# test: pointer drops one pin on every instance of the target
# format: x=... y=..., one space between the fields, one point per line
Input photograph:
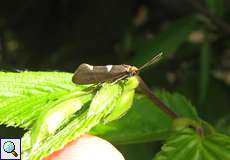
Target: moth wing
x=88 y=74
x=83 y=74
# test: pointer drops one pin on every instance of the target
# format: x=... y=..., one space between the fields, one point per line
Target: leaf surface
x=189 y=145
x=145 y=122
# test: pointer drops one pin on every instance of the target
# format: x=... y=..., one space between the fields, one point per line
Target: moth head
x=132 y=70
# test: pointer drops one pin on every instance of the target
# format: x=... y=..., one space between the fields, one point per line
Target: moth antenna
x=152 y=61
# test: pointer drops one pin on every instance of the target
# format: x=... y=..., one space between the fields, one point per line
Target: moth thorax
x=132 y=70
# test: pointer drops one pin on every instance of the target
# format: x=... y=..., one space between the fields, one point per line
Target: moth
x=89 y=74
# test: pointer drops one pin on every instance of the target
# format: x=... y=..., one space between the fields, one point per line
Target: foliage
x=56 y=114
x=194 y=36
x=50 y=115
x=188 y=145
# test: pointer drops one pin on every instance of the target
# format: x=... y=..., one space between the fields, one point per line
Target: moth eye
x=132 y=73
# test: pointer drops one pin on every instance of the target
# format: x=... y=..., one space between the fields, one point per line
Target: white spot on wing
x=89 y=66
x=109 y=67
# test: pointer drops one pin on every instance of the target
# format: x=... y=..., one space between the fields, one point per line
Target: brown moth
x=88 y=74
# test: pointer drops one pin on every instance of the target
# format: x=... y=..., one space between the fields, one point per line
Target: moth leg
x=94 y=87
x=121 y=78
x=98 y=85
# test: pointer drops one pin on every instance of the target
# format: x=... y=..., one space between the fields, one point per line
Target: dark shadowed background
x=60 y=35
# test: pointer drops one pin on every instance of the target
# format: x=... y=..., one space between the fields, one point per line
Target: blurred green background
x=60 y=35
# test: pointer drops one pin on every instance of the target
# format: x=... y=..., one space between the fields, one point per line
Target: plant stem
x=145 y=89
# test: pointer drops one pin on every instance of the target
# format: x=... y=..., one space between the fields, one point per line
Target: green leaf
x=35 y=83
x=187 y=144
x=103 y=98
x=23 y=111
x=126 y=100
x=32 y=100
x=223 y=125
x=145 y=122
x=25 y=95
x=122 y=107
x=103 y=103
x=59 y=113
x=140 y=151
x=216 y=7
x=167 y=42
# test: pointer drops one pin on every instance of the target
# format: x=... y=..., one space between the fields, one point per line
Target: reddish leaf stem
x=145 y=89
